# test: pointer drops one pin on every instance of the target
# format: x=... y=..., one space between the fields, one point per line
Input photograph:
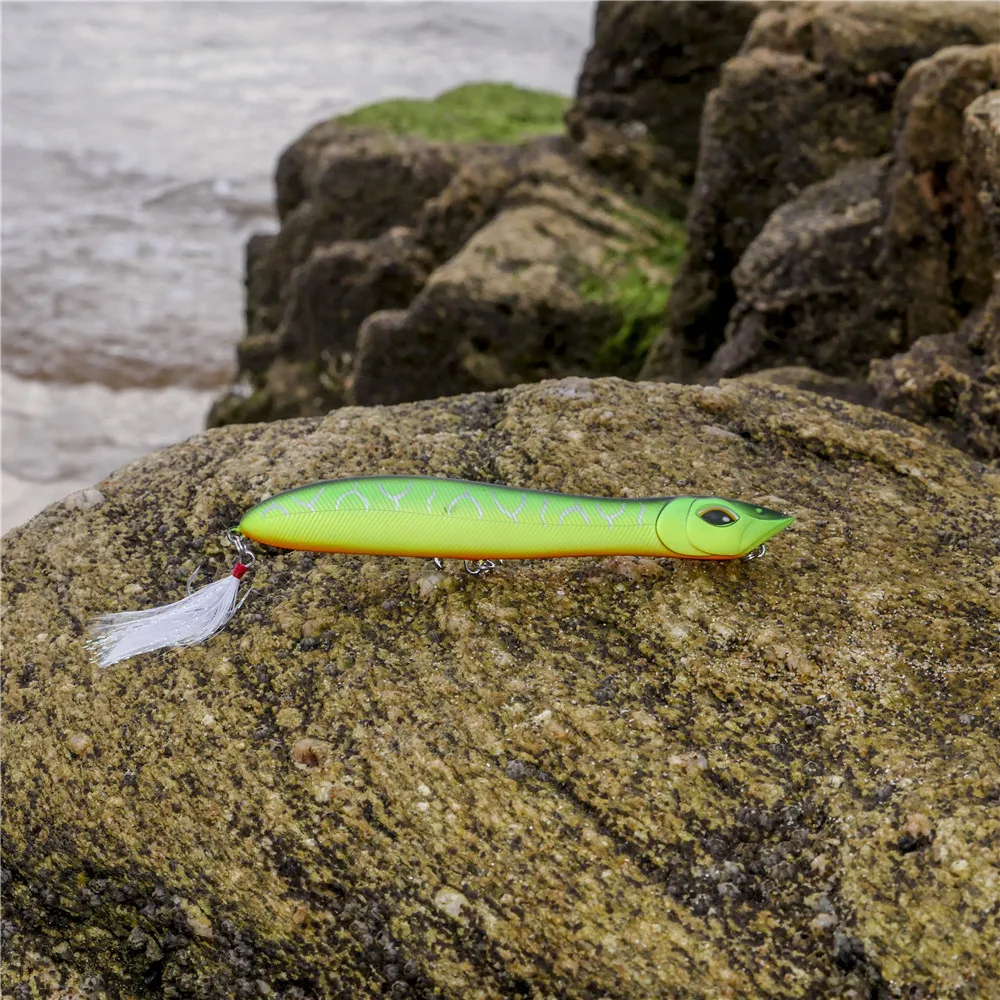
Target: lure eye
x=719 y=516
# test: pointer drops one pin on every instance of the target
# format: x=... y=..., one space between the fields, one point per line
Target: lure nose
x=764 y=526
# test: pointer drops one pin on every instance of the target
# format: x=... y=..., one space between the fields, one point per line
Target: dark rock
x=510 y=306
x=856 y=266
x=808 y=287
x=937 y=246
x=810 y=91
x=342 y=183
x=639 y=96
x=475 y=193
x=532 y=253
x=312 y=350
x=981 y=140
x=952 y=381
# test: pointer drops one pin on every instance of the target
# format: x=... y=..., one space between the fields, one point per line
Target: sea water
x=139 y=141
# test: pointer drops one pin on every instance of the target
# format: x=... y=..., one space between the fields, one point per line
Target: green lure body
x=422 y=516
x=454 y=518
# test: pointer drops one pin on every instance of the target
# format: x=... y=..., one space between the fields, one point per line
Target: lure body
x=423 y=516
x=455 y=518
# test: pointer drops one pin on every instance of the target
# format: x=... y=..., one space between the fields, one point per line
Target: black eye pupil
x=717 y=517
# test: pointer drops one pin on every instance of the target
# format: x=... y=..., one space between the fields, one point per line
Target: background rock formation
x=952 y=381
x=811 y=91
x=576 y=777
x=638 y=104
x=408 y=268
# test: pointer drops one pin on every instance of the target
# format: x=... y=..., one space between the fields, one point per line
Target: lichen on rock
x=580 y=776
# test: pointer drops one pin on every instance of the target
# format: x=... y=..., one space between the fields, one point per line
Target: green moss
x=635 y=283
x=476 y=112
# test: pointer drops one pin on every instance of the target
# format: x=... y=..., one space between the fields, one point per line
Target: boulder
x=862 y=265
x=301 y=368
x=952 y=381
x=937 y=245
x=342 y=183
x=809 y=288
x=367 y=214
x=529 y=296
x=981 y=139
x=811 y=90
x=526 y=266
x=640 y=93
x=583 y=777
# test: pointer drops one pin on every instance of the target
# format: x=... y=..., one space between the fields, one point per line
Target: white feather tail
x=186 y=622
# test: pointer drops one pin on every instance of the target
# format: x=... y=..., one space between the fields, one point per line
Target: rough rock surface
x=342 y=182
x=579 y=777
x=863 y=264
x=937 y=245
x=952 y=381
x=809 y=290
x=491 y=287
x=510 y=306
x=302 y=367
x=810 y=91
x=640 y=93
x=309 y=286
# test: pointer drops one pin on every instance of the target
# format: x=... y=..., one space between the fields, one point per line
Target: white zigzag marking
x=272 y=506
x=312 y=503
x=578 y=509
x=642 y=507
x=347 y=493
x=503 y=510
x=430 y=498
x=467 y=496
x=611 y=519
x=395 y=497
x=545 y=507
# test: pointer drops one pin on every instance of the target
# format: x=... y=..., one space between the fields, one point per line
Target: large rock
x=810 y=91
x=864 y=264
x=516 y=303
x=981 y=134
x=302 y=368
x=640 y=93
x=526 y=266
x=952 y=381
x=584 y=777
x=937 y=245
x=809 y=290
x=341 y=183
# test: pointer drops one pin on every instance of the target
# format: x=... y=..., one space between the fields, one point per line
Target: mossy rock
x=475 y=112
x=580 y=777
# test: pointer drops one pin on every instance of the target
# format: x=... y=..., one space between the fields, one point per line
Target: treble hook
x=481 y=567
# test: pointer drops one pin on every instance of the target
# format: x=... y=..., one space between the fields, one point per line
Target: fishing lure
x=453 y=518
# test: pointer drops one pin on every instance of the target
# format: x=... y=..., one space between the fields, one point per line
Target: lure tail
x=186 y=622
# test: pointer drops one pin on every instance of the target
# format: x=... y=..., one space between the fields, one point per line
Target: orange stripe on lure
x=453 y=518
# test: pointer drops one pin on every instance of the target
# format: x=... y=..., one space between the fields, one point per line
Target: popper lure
x=450 y=518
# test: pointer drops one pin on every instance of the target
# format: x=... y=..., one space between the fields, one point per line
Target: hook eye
x=243 y=551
